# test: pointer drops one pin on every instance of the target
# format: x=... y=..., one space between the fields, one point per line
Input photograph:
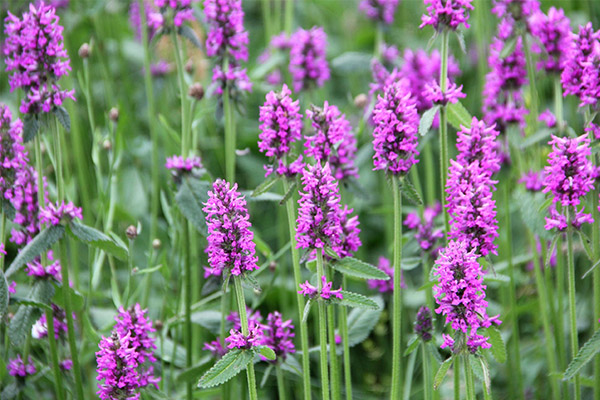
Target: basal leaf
x=351 y=266
x=226 y=368
x=37 y=246
x=97 y=239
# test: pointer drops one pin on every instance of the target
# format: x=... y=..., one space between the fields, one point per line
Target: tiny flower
x=118 y=377
x=326 y=292
x=237 y=340
x=594 y=130
x=579 y=74
x=66 y=365
x=181 y=11
x=446 y=14
x=277 y=334
x=426 y=234
x=308 y=63
x=433 y=93
x=423 y=324
x=235 y=80
x=161 y=68
x=16 y=367
x=39 y=330
x=53 y=214
x=178 y=164
x=548 y=118
x=51 y=271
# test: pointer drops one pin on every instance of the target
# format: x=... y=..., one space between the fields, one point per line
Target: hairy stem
x=239 y=293
x=322 y=329
x=396 y=391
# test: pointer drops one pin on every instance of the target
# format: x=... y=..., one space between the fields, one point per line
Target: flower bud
x=84 y=50
x=113 y=114
x=156 y=244
x=361 y=101
x=131 y=232
x=189 y=67
x=196 y=91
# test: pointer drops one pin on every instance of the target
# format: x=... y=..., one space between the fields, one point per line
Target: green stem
x=58 y=385
x=396 y=391
x=533 y=108
x=469 y=378
x=560 y=311
x=229 y=134
x=427 y=384
x=444 y=125
x=280 y=383
x=429 y=173
x=572 y=311
x=333 y=358
x=344 y=334
x=456 y=368
x=187 y=303
x=239 y=293
x=289 y=16
x=322 y=329
x=223 y=332
x=558 y=104
x=2 y=236
x=379 y=39
x=291 y=214
x=185 y=128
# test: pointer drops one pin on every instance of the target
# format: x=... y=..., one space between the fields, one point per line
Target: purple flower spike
x=580 y=63
x=460 y=294
x=13 y=156
x=446 y=14
x=25 y=202
x=179 y=164
x=227 y=35
x=153 y=19
x=396 y=125
x=385 y=286
x=180 y=9
x=427 y=235
x=350 y=241
x=554 y=32
x=277 y=335
x=51 y=271
x=379 y=10
x=332 y=141
x=16 y=367
x=230 y=246
x=548 y=118
x=423 y=324
x=433 y=93
x=318 y=223
x=237 y=340
x=36 y=58
x=53 y=214
x=534 y=181
x=308 y=63
x=236 y=79
x=470 y=186
x=326 y=292
x=281 y=126
x=118 y=377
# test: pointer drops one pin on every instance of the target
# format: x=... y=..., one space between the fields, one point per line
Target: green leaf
x=292 y=365
x=192 y=374
x=306 y=310
x=591 y=269
x=149 y=270
x=262 y=69
x=530 y=207
x=351 y=266
x=545 y=204
x=412 y=345
x=427 y=120
x=62 y=115
x=265 y=186
x=498 y=348
x=20 y=325
x=37 y=246
x=226 y=368
x=97 y=239
x=208 y=319
x=410 y=192
x=266 y=375
x=352 y=62
x=509 y=47
x=535 y=138
x=268 y=196
x=289 y=193
x=551 y=250
x=331 y=253
x=268 y=353
x=31 y=126
x=356 y=300
x=3 y=295
x=433 y=350
x=409 y=263
x=461 y=41
x=486 y=373
x=586 y=243
x=165 y=351
x=584 y=355
x=476 y=366
x=77 y=300
x=189 y=34
x=11 y=391
x=189 y=201
x=441 y=373
x=362 y=322
x=458 y=116
x=252 y=282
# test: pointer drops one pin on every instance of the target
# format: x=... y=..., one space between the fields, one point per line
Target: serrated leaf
x=267 y=353
x=409 y=263
x=265 y=185
x=306 y=310
x=192 y=374
x=530 y=205
x=458 y=116
x=289 y=193
x=427 y=120
x=509 y=47
x=226 y=368
x=545 y=204
x=31 y=126
x=37 y=246
x=351 y=266
x=362 y=322
x=433 y=351
x=441 y=373
x=97 y=239
x=190 y=203
x=3 y=295
x=412 y=345
x=476 y=367
x=356 y=300
x=252 y=282
x=189 y=34
x=584 y=355
x=486 y=374
x=410 y=192
x=63 y=117
x=461 y=41
x=20 y=325
x=498 y=348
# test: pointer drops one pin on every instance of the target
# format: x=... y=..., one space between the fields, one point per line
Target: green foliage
x=37 y=246
x=427 y=120
x=361 y=322
x=19 y=327
x=458 y=115
x=359 y=269
x=357 y=301
x=585 y=354
x=441 y=373
x=226 y=368
x=190 y=197
x=97 y=239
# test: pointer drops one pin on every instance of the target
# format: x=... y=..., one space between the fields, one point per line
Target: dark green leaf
x=20 y=325
x=268 y=353
x=441 y=373
x=189 y=34
x=77 y=300
x=3 y=295
x=362 y=322
x=37 y=246
x=266 y=185
x=289 y=193
x=410 y=192
x=31 y=126
x=584 y=355
x=97 y=239
x=427 y=120
x=352 y=62
x=458 y=115
x=498 y=348
x=192 y=374
x=351 y=266
x=412 y=345
x=226 y=368
x=7 y=209
x=63 y=117
x=189 y=201
x=509 y=46
x=209 y=319
x=252 y=282
x=356 y=300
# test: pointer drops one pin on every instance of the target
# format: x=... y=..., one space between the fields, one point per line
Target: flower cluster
x=51 y=271
x=460 y=294
x=385 y=286
x=306 y=289
x=581 y=73
x=40 y=328
x=153 y=19
x=230 y=245
x=277 y=334
x=515 y=10
x=332 y=141
x=308 y=63
x=25 y=202
x=470 y=186
x=554 y=32
x=281 y=126
x=253 y=316
x=237 y=340
x=396 y=125
x=178 y=164
x=349 y=239
x=118 y=377
x=548 y=118
x=16 y=367
x=433 y=93
x=13 y=156
x=427 y=235
x=446 y=14
x=36 y=58
x=534 y=181
x=227 y=35
x=318 y=223
x=379 y=10
x=235 y=79
x=53 y=214
x=424 y=324
x=180 y=10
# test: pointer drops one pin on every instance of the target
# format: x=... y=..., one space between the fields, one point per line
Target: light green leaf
x=352 y=61
x=351 y=266
x=268 y=353
x=189 y=199
x=266 y=185
x=357 y=301
x=409 y=263
x=458 y=115
x=584 y=355
x=97 y=239
x=226 y=368
x=208 y=319
x=498 y=348
x=427 y=120
x=441 y=373
x=412 y=345
x=37 y=246
x=306 y=310
x=509 y=47
x=251 y=281
x=362 y=322
x=289 y=193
